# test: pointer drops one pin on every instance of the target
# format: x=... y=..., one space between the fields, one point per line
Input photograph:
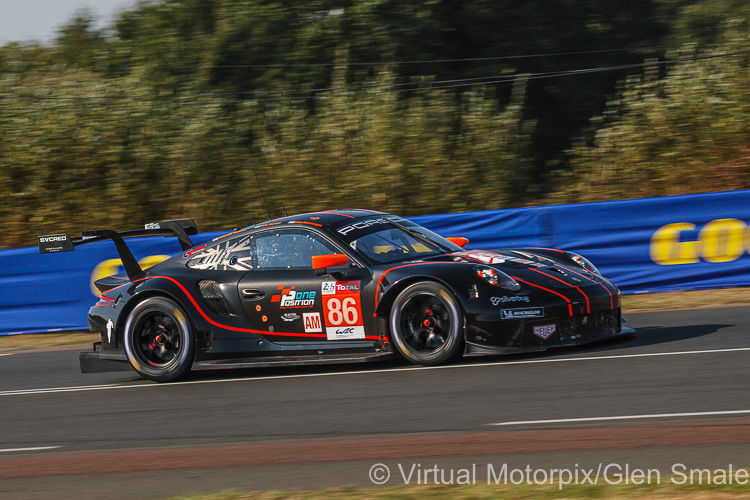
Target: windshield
x=382 y=242
x=392 y=244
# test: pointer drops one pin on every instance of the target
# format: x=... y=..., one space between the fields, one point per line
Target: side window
x=231 y=255
x=290 y=249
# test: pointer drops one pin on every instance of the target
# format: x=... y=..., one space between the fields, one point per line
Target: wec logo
x=721 y=240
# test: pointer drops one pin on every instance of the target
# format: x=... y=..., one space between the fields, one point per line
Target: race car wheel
x=158 y=340
x=426 y=324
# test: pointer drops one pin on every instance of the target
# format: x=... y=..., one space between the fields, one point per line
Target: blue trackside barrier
x=662 y=244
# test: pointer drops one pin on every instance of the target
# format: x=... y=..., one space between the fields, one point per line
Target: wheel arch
x=133 y=301
x=389 y=297
x=152 y=364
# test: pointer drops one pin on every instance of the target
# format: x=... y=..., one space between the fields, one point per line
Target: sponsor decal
x=342 y=309
x=50 y=239
x=312 y=322
x=290 y=316
x=360 y=225
x=346 y=333
x=290 y=298
x=544 y=331
x=334 y=287
x=54 y=243
x=495 y=258
x=110 y=326
x=483 y=255
x=153 y=225
x=528 y=312
x=509 y=298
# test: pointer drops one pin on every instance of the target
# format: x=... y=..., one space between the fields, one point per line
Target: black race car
x=336 y=287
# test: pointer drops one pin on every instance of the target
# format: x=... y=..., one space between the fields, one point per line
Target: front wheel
x=427 y=324
x=159 y=341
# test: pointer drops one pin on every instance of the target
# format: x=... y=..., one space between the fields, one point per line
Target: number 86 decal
x=342 y=311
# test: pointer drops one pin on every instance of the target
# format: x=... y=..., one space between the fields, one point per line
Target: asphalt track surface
x=673 y=398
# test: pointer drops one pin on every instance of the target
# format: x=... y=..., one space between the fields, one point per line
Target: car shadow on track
x=644 y=337
x=658 y=335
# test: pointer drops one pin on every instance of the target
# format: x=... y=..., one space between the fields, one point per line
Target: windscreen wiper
x=421 y=237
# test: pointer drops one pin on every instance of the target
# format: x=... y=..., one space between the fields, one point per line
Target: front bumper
x=537 y=334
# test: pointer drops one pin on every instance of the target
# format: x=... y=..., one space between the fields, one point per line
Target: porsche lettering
x=361 y=225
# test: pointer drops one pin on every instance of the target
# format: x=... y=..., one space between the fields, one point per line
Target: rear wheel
x=159 y=341
x=427 y=324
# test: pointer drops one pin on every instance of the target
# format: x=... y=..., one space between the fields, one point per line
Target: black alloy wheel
x=427 y=324
x=159 y=341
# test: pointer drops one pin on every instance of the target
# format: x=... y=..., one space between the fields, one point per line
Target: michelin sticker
x=528 y=312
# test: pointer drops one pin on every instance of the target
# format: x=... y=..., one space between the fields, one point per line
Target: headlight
x=497 y=278
x=583 y=262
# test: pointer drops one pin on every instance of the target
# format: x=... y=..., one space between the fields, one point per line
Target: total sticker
x=342 y=309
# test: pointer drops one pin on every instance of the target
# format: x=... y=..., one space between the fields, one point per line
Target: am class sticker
x=312 y=322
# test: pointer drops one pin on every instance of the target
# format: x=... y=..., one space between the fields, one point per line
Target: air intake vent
x=213 y=297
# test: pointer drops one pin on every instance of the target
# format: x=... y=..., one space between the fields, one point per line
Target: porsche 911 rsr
x=336 y=287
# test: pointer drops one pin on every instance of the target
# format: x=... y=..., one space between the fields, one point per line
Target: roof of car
x=324 y=218
x=313 y=219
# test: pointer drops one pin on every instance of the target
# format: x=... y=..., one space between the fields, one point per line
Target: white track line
x=624 y=417
x=6 y=354
x=51 y=390
x=38 y=448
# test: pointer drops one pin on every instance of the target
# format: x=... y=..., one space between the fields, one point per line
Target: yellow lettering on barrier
x=722 y=240
x=111 y=267
x=102 y=270
x=666 y=248
x=152 y=260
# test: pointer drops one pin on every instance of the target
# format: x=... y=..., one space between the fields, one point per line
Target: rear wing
x=179 y=228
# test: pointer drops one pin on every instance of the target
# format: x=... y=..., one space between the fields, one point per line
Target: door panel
x=286 y=297
x=298 y=305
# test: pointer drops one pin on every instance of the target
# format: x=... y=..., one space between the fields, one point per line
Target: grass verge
x=666 y=490
x=685 y=300
x=33 y=340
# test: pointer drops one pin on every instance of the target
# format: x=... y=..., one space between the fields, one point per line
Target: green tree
x=685 y=133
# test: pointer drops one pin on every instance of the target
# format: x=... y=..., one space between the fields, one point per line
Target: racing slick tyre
x=159 y=340
x=426 y=324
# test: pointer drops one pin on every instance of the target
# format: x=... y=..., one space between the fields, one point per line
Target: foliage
x=72 y=164
x=685 y=133
x=191 y=107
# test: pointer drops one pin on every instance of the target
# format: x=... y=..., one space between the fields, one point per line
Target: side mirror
x=458 y=240
x=322 y=262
